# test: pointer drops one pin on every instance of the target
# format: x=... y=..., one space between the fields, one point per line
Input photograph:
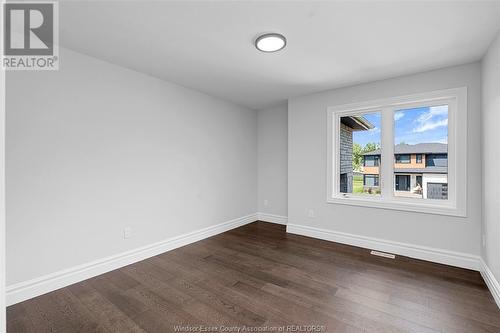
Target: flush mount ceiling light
x=270 y=42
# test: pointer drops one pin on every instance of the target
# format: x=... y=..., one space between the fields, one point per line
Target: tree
x=357 y=156
x=370 y=146
x=358 y=151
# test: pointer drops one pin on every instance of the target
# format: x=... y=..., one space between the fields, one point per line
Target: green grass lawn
x=357 y=184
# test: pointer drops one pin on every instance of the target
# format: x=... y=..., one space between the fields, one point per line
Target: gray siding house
x=348 y=125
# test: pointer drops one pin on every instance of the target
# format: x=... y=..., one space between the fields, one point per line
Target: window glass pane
x=359 y=150
x=403 y=159
x=371 y=160
x=370 y=180
x=421 y=152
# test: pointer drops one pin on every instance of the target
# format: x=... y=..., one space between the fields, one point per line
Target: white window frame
x=456 y=204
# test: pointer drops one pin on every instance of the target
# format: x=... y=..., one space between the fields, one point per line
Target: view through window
x=403 y=152
x=421 y=152
x=360 y=170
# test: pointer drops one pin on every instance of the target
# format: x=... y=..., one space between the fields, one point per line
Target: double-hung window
x=406 y=153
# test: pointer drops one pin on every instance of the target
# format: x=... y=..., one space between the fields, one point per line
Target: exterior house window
x=403 y=158
x=400 y=153
x=370 y=180
x=373 y=160
x=436 y=160
x=344 y=185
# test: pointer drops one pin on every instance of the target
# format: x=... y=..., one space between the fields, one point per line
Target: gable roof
x=420 y=148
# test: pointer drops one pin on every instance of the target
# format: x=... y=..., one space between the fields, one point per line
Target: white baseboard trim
x=28 y=289
x=441 y=256
x=491 y=282
x=278 y=219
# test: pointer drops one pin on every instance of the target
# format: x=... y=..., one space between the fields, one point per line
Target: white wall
x=94 y=147
x=2 y=193
x=307 y=167
x=491 y=156
x=273 y=160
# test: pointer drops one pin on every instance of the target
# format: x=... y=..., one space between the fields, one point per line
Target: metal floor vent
x=383 y=254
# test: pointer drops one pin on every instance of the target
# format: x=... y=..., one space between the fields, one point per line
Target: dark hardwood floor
x=259 y=276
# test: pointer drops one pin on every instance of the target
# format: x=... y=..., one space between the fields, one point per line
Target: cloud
x=437 y=116
x=430 y=125
x=374 y=130
x=398 y=115
x=433 y=112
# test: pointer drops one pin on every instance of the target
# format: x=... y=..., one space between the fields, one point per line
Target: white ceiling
x=208 y=45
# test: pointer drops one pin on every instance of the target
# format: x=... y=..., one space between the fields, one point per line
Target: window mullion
x=387 y=154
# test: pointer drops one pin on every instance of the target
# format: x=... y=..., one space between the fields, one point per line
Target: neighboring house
x=347 y=126
x=420 y=170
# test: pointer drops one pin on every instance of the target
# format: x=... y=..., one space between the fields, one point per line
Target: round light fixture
x=270 y=42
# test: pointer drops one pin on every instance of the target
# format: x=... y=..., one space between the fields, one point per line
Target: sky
x=373 y=135
x=411 y=126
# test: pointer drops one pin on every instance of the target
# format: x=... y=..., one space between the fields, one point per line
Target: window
x=402 y=153
x=371 y=160
x=403 y=159
x=359 y=154
x=437 y=160
x=343 y=182
x=418 y=130
x=370 y=180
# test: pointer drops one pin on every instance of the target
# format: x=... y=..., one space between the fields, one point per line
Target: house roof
x=429 y=169
x=421 y=148
x=357 y=123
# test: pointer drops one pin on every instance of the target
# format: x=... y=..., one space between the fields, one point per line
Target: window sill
x=400 y=205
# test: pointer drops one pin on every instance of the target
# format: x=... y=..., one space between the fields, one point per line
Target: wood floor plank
x=74 y=312
x=257 y=276
x=105 y=312
x=167 y=311
x=397 y=280
x=18 y=319
x=212 y=298
x=129 y=306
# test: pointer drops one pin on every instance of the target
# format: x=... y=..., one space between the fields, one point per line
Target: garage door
x=437 y=191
